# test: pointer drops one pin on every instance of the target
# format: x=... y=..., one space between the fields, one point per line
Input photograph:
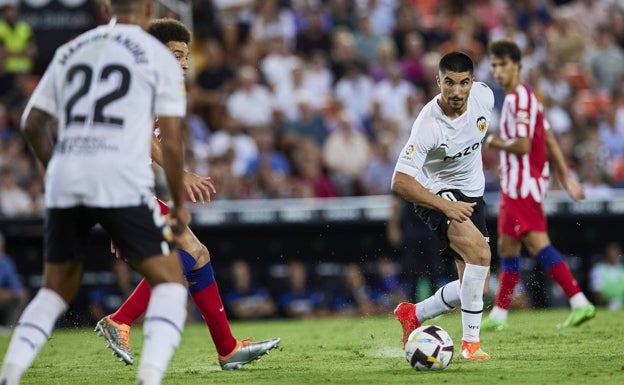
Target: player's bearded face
x=455 y=88
x=503 y=70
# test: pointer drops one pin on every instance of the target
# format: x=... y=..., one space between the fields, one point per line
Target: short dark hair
x=456 y=62
x=122 y=6
x=167 y=29
x=505 y=48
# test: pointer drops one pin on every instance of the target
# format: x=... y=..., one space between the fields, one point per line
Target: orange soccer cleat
x=406 y=315
x=472 y=351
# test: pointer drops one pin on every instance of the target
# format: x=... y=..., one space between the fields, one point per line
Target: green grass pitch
x=356 y=351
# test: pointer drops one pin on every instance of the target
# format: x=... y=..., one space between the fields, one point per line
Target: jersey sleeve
x=523 y=113
x=170 y=90
x=44 y=96
x=486 y=95
x=420 y=142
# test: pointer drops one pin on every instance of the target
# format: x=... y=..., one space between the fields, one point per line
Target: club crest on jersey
x=482 y=123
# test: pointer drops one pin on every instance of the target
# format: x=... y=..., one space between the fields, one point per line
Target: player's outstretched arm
x=197 y=187
x=572 y=186
x=518 y=146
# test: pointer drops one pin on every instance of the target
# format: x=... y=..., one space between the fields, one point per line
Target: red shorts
x=519 y=216
x=164 y=209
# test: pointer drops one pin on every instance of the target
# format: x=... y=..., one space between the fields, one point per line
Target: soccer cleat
x=490 y=324
x=117 y=337
x=579 y=316
x=472 y=351
x=406 y=315
x=247 y=351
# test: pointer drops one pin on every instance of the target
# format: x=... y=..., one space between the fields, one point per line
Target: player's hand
x=458 y=211
x=575 y=189
x=395 y=236
x=198 y=188
x=179 y=219
x=488 y=141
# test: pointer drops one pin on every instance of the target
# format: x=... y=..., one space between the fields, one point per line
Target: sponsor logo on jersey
x=482 y=123
x=465 y=152
x=523 y=116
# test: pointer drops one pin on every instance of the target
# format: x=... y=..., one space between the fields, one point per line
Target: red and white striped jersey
x=525 y=175
x=157 y=129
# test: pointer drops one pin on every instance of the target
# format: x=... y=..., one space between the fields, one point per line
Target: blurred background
x=297 y=110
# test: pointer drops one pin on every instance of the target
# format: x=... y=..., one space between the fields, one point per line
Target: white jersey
x=443 y=153
x=106 y=88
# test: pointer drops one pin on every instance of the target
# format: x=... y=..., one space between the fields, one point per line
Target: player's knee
x=534 y=249
x=201 y=254
x=481 y=261
x=482 y=256
x=505 y=252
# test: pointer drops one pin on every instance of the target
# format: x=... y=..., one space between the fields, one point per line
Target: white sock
x=578 y=300
x=442 y=301
x=164 y=322
x=31 y=333
x=471 y=294
x=498 y=313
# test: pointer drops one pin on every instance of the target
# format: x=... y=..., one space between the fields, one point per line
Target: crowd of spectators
x=297 y=289
x=314 y=98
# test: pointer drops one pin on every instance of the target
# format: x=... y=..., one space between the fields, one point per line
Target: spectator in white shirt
x=318 y=79
x=14 y=200
x=251 y=104
x=233 y=145
x=274 y=21
x=355 y=93
x=391 y=97
x=346 y=152
x=278 y=64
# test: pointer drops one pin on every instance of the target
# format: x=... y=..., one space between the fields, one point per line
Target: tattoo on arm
x=37 y=131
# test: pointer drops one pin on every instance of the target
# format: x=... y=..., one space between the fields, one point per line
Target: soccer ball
x=429 y=348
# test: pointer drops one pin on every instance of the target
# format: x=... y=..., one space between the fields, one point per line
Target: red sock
x=563 y=276
x=135 y=305
x=209 y=303
x=506 y=287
